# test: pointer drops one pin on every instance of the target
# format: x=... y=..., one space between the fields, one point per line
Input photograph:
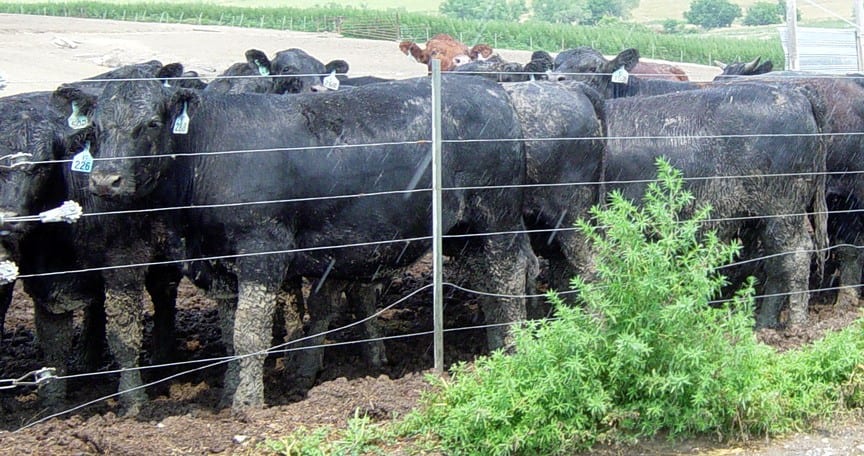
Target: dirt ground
x=39 y=53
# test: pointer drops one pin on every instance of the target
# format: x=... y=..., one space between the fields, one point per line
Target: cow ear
x=76 y=105
x=628 y=58
x=182 y=99
x=480 y=51
x=405 y=47
x=258 y=61
x=339 y=66
x=170 y=71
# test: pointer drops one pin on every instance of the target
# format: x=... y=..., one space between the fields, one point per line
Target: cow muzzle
x=110 y=184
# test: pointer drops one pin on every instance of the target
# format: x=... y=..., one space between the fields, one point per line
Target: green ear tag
x=181 y=123
x=262 y=69
x=77 y=120
x=82 y=162
x=620 y=76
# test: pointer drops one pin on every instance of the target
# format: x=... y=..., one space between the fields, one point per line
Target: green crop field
x=648 y=10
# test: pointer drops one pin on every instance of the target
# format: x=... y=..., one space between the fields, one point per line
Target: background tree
x=764 y=13
x=712 y=13
x=561 y=11
x=501 y=10
x=599 y=9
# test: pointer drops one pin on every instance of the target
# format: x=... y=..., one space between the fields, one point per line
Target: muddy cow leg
x=324 y=300
x=6 y=292
x=499 y=267
x=788 y=272
x=54 y=333
x=849 y=261
x=258 y=284
x=124 y=293
x=364 y=297
x=162 y=283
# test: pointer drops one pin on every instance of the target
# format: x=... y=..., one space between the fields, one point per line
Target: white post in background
x=437 y=258
x=859 y=26
x=792 y=62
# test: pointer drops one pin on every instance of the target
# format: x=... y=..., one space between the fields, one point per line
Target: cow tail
x=599 y=104
x=820 y=204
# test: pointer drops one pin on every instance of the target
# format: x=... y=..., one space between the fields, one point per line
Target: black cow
x=563 y=127
x=34 y=135
x=340 y=69
x=842 y=122
x=751 y=68
x=312 y=127
x=503 y=71
x=290 y=71
x=749 y=130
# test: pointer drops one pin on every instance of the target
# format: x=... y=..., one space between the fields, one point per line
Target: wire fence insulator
x=68 y=212
x=38 y=377
x=8 y=272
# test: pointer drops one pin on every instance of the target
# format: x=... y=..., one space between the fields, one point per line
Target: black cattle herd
x=266 y=172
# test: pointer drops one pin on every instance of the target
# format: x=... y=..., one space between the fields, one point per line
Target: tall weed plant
x=643 y=351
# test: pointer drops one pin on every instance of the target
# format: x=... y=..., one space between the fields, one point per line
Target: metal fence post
x=437 y=259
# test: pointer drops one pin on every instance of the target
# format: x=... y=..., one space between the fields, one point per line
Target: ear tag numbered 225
x=331 y=81
x=620 y=76
x=82 y=162
x=77 y=120
x=181 y=123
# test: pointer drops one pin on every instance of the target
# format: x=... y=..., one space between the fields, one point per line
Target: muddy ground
x=38 y=53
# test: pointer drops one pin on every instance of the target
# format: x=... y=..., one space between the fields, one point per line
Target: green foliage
x=764 y=13
x=599 y=9
x=673 y=26
x=645 y=353
x=484 y=10
x=781 y=6
x=360 y=437
x=712 y=13
x=561 y=11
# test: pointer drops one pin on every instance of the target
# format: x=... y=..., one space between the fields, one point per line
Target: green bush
x=712 y=13
x=763 y=13
x=484 y=10
x=645 y=352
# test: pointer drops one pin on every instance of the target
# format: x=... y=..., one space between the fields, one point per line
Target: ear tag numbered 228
x=620 y=76
x=77 y=120
x=331 y=81
x=82 y=162
x=181 y=123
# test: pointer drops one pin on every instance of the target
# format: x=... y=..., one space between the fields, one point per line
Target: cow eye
x=154 y=124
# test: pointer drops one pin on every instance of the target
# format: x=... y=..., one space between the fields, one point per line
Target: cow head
x=447 y=49
x=589 y=65
x=33 y=136
x=751 y=68
x=298 y=72
x=133 y=123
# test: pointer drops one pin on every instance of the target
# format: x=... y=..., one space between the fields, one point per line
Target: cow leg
x=93 y=331
x=501 y=269
x=124 y=330
x=162 y=283
x=849 y=261
x=323 y=302
x=223 y=290
x=54 y=332
x=787 y=275
x=259 y=284
x=365 y=298
x=6 y=292
x=290 y=308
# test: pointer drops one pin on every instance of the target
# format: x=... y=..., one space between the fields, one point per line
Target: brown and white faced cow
x=449 y=50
